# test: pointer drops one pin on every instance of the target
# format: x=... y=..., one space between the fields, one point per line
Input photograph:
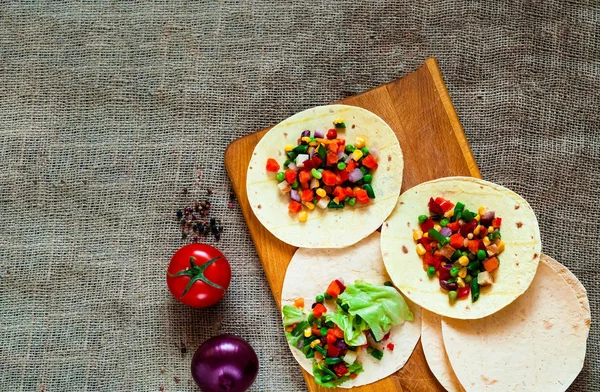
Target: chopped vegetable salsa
x=459 y=247
x=363 y=320
x=323 y=171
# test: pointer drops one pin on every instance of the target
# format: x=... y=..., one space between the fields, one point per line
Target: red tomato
x=331 y=134
x=370 y=162
x=272 y=165
x=290 y=176
x=198 y=275
x=329 y=178
x=331 y=158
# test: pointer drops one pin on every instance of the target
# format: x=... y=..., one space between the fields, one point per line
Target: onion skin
x=224 y=363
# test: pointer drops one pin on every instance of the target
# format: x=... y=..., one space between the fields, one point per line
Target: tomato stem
x=196 y=273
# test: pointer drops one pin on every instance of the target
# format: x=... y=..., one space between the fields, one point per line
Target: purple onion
x=224 y=363
x=447 y=266
x=292 y=166
x=295 y=196
x=374 y=151
x=319 y=134
x=448 y=286
x=487 y=218
x=305 y=133
x=348 y=159
x=355 y=175
x=446 y=232
x=340 y=155
x=300 y=343
x=339 y=343
x=311 y=151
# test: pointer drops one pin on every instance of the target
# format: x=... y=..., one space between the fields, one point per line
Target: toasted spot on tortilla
x=250 y=167
x=255 y=153
x=278 y=152
x=404 y=249
x=517 y=263
x=353 y=126
x=488 y=381
x=389 y=158
x=535 y=255
x=259 y=206
x=480 y=186
x=588 y=322
x=407 y=224
x=547 y=324
x=517 y=207
x=285 y=134
x=387 y=224
x=468 y=307
x=401 y=202
x=519 y=225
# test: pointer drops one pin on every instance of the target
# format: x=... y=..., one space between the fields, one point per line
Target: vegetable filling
x=459 y=247
x=363 y=320
x=323 y=171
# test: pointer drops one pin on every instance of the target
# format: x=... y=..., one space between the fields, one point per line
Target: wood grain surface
x=419 y=110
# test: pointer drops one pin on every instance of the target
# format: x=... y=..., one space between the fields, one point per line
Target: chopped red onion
x=374 y=151
x=300 y=160
x=292 y=166
x=295 y=196
x=314 y=183
x=319 y=134
x=305 y=133
x=355 y=175
x=446 y=232
x=348 y=159
x=311 y=151
x=340 y=155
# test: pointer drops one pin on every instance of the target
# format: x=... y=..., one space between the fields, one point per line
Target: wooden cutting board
x=418 y=108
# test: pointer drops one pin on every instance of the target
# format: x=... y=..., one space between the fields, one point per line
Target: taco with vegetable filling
x=326 y=168
x=461 y=247
x=345 y=323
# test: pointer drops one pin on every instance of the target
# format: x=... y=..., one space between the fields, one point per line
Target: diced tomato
x=349 y=192
x=331 y=158
x=339 y=193
x=340 y=369
x=290 y=176
x=491 y=264
x=428 y=224
x=390 y=346
x=319 y=310
x=294 y=206
x=338 y=332
x=439 y=200
x=331 y=134
x=426 y=242
x=341 y=143
x=473 y=246
x=304 y=176
x=308 y=195
x=434 y=207
x=343 y=174
x=385 y=337
x=457 y=241
x=304 y=185
x=361 y=196
x=447 y=206
x=330 y=337
x=497 y=222
x=353 y=376
x=317 y=161
x=328 y=178
x=453 y=226
x=316 y=331
x=272 y=165
x=333 y=289
x=463 y=292
x=333 y=147
x=430 y=259
x=370 y=162
x=333 y=351
x=308 y=165
x=351 y=166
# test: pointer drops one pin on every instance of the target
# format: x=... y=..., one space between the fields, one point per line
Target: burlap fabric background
x=109 y=109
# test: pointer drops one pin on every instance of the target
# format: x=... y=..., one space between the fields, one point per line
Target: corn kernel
x=303 y=216
x=500 y=246
x=449 y=214
x=321 y=192
x=359 y=142
x=477 y=217
x=307 y=332
x=310 y=205
x=491 y=229
x=421 y=250
x=463 y=260
x=481 y=210
x=357 y=154
x=477 y=230
x=288 y=147
x=486 y=241
x=338 y=121
x=460 y=282
x=462 y=273
x=314 y=343
x=437 y=228
x=417 y=235
x=313 y=144
x=306 y=139
x=470 y=236
x=425 y=235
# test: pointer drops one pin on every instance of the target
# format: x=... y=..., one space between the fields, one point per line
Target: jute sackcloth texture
x=108 y=110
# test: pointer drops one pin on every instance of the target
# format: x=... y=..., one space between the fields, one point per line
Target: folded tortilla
x=310 y=272
x=518 y=262
x=328 y=228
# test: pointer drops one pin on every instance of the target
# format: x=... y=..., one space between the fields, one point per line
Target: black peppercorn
x=179 y=214
x=213 y=222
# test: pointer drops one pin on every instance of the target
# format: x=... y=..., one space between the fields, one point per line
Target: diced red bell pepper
x=390 y=346
x=304 y=185
x=333 y=147
x=316 y=331
x=444 y=274
x=334 y=289
x=304 y=176
x=353 y=376
x=341 y=285
x=319 y=310
x=463 y=292
x=272 y=165
x=434 y=207
x=294 y=206
x=497 y=222
x=330 y=337
x=349 y=192
x=428 y=224
x=307 y=195
x=332 y=351
x=331 y=134
x=338 y=332
x=473 y=246
x=339 y=369
x=308 y=165
x=343 y=175
x=341 y=143
x=328 y=177
x=331 y=158
x=317 y=161
x=454 y=226
x=290 y=176
x=370 y=162
x=431 y=260
x=426 y=242
x=385 y=337
x=439 y=200
x=339 y=193
x=457 y=241
x=362 y=196
x=468 y=228
x=351 y=166
x=447 y=206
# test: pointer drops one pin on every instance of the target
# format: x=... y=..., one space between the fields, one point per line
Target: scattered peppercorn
x=195 y=222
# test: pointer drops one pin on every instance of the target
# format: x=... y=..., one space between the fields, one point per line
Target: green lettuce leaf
x=327 y=378
x=381 y=307
x=292 y=315
x=353 y=330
